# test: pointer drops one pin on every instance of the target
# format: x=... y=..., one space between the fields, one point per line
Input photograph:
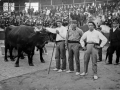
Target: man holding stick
x=60 y=54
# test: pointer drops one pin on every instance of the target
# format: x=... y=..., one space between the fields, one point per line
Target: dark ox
x=24 y=39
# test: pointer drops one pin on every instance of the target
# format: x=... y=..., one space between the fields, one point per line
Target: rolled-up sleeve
x=52 y=30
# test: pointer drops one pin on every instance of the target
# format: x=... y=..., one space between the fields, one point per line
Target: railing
x=39 y=6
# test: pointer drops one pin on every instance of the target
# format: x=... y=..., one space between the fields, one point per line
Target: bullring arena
x=37 y=77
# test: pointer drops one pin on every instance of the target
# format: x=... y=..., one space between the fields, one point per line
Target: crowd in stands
x=48 y=16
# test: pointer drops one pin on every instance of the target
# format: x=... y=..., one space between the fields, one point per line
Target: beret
x=59 y=20
x=73 y=21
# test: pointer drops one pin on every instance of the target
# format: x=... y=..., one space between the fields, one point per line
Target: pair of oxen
x=24 y=39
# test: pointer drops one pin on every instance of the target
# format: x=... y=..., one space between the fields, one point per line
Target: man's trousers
x=60 y=55
x=90 y=52
x=73 y=52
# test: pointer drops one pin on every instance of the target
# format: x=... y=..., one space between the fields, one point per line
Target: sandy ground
x=109 y=77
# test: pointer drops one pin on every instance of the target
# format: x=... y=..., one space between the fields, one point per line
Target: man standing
x=61 y=32
x=92 y=38
x=114 y=38
x=73 y=43
x=100 y=49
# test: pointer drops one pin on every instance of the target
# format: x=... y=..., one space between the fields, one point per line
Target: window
x=31 y=5
x=10 y=6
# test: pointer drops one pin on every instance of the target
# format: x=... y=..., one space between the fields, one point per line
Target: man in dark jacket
x=114 y=39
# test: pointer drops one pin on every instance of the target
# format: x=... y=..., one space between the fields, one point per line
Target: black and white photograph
x=59 y=44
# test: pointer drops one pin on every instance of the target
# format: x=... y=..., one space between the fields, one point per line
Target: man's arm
x=82 y=40
x=66 y=40
x=81 y=32
x=52 y=30
x=103 y=39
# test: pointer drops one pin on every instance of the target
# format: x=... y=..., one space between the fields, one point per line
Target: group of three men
x=73 y=39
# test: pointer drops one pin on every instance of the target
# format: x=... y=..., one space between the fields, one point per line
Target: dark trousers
x=112 y=49
x=73 y=51
x=100 y=54
x=60 y=55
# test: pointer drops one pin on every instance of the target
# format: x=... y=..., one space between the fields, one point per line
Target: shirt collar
x=115 y=28
x=92 y=31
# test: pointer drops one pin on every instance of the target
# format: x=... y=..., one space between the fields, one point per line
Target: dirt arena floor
x=26 y=77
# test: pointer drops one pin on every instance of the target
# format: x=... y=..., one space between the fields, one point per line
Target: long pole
x=19 y=6
x=84 y=2
x=8 y=6
x=95 y=2
x=107 y=1
x=62 y=2
x=51 y=2
x=51 y=58
x=30 y=8
x=39 y=5
x=73 y=1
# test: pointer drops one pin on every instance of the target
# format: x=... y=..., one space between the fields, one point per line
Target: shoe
x=46 y=53
x=60 y=70
x=69 y=71
x=95 y=77
x=55 y=69
x=116 y=63
x=108 y=63
x=99 y=60
x=83 y=74
x=77 y=73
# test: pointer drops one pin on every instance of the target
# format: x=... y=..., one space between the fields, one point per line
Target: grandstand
x=19 y=5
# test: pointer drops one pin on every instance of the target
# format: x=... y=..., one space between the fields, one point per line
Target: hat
x=59 y=20
x=73 y=21
x=115 y=21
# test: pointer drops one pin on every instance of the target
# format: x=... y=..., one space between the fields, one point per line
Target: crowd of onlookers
x=48 y=16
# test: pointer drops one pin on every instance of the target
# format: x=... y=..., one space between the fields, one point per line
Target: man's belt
x=73 y=41
x=60 y=41
x=92 y=43
x=95 y=44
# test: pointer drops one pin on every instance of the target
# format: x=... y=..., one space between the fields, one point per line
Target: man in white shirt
x=61 y=32
x=92 y=38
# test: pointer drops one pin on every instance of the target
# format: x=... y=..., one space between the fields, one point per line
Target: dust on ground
x=109 y=79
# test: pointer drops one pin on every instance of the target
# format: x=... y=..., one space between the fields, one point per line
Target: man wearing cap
x=114 y=39
x=60 y=54
x=92 y=38
x=73 y=43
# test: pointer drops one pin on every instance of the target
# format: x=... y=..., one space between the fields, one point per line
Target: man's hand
x=84 y=48
x=97 y=47
x=66 y=47
x=57 y=32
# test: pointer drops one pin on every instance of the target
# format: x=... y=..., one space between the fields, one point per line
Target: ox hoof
x=12 y=59
x=16 y=65
x=31 y=64
x=43 y=61
x=5 y=60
